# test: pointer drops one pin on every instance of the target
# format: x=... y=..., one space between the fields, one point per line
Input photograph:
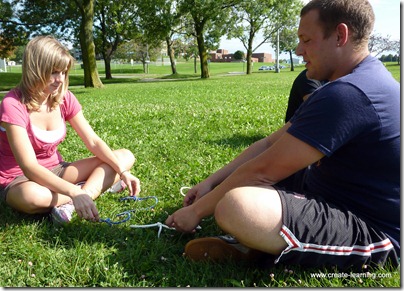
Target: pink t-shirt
x=14 y=112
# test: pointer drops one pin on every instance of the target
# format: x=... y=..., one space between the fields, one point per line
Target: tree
x=6 y=40
x=91 y=78
x=265 y=16
x=7 y=47
x=389 y=58
x=18 y=54
x=288 y=42
x=190 y=50
x=13 y=32
x=115 y=23
x=59 y=18
x=206 y=20
x=161 y=20
x=288 y=39
x=239 y=55
x=379 y=44
x=147 y=52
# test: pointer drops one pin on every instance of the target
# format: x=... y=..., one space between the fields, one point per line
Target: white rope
x=182 y=188
x=159 y=224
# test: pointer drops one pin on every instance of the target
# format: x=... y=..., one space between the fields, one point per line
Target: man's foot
x=117 y=187
x=220 y=248
x=62 y=214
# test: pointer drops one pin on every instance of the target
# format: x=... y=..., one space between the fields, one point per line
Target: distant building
x=263 y=57
x=222 y=55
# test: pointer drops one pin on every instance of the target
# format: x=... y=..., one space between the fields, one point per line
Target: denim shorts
x=58 y=171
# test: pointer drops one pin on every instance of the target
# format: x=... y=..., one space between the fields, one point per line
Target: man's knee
x=238 y=201
x=254 y=216
x=232 y=208
x=223 y=209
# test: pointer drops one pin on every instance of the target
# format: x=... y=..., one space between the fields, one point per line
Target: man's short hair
x=358 y=15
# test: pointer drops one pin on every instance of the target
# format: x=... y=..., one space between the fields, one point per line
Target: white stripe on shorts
x=295 y=245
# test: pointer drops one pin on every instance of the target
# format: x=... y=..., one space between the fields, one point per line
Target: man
x=301 y=89
x=343 y=209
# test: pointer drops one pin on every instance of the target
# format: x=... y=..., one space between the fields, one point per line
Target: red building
x=222 y=55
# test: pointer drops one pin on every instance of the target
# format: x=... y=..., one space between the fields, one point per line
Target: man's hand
x=196 y=192
x=183 y=220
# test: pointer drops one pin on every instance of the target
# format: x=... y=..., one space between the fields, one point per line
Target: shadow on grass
x=138 y=258
x=238 y=140
x=139 y=252
x=10 y=217
x=140 y=255
x=136 y=78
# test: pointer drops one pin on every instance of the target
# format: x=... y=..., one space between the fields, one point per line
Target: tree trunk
x=91 y=77
x=107 y=63
x=170 y=53
x=203 y=56
x=292 y=66
x=249 y=54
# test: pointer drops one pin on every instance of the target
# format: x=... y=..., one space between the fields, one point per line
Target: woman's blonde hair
x=42 y=56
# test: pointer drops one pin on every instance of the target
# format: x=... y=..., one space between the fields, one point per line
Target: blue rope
x=127 y=213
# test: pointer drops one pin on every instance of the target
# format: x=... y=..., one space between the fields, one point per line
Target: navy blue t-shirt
x=355 y=122
x=301 y=87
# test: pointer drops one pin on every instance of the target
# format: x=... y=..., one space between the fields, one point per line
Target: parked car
x=264 y=68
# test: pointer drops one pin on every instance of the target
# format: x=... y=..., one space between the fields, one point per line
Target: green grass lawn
x=181 y=131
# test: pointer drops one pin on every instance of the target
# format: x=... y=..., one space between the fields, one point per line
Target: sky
x=387 y=22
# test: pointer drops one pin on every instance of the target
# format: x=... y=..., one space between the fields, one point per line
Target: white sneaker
x=117 y=187
x=62 y=214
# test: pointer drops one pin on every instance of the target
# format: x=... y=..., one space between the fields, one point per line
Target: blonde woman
x=34 y=178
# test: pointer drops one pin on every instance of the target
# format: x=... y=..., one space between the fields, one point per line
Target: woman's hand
x=132 y=182
x=85 y=207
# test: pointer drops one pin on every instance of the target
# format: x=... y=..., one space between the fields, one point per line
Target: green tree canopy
x=260 y=16
x=206 y=20
x=239 y=55
x=66 y=20
x=160 y=20
x=115 y=22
